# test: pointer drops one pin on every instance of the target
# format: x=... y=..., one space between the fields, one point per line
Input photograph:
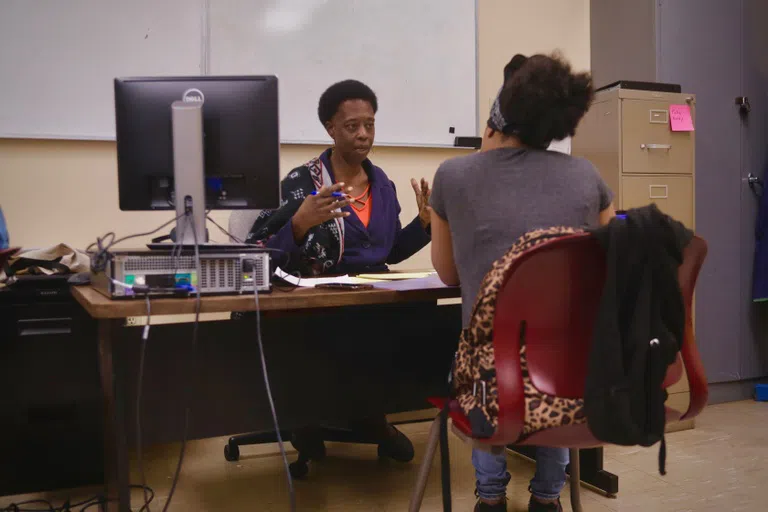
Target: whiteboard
x=419 y=56
x=59 y=59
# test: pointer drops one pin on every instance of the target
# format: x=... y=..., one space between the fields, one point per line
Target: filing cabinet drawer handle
x=661 y=191
x=656 y=146
x=44 y=326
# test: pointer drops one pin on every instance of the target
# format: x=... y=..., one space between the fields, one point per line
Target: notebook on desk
x=395 y=276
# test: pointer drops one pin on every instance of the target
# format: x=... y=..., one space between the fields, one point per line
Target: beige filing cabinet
x=626 y=134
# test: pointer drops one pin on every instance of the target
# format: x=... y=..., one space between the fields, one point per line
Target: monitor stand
x=188 y=172
x=189 y=183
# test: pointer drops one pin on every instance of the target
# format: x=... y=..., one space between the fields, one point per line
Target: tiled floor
x=720 y=466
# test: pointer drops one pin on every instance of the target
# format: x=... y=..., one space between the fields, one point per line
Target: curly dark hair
x=340 y=92
x=542 y=99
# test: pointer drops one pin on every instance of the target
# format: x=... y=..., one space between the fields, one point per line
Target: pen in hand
x=340 y=195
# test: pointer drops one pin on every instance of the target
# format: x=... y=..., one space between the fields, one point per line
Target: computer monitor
x=211 y=136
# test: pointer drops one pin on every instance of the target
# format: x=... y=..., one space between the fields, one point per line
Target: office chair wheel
x=299 y=469
x=231 y=452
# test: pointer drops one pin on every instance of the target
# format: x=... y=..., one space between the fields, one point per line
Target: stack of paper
x=311 y=282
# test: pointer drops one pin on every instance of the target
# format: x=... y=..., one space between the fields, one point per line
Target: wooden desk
x=111 y=315
x=101 y=308
x=282 y=312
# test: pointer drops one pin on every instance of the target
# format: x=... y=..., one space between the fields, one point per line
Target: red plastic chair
x=556 y=289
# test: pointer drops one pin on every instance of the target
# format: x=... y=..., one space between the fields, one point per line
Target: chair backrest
x=556 y=289
x=240 y=223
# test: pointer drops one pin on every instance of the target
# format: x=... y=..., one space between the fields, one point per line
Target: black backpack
x=639 y=329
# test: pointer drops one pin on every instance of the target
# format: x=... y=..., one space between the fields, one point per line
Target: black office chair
x=365 y=403
x=310 y=443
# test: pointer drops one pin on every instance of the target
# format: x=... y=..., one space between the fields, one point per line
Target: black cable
x=87 y=503
x=142 y=353
x=193 y=358
x=230 y=235
x=272 y=402
x=137 y=235
x=178 y=249
x=99 y=503
x=255 y=246
x=99 y=258
x=15 y=507
x=67 y=506
x=290 y=287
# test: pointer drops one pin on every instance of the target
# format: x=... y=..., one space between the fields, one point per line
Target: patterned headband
x=496 y=119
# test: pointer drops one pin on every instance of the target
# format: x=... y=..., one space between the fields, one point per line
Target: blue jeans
x=492 y=475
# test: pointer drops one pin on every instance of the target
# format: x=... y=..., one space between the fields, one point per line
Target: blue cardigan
x=369 y=249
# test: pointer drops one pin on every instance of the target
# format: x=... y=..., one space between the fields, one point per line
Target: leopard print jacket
x=474 y=374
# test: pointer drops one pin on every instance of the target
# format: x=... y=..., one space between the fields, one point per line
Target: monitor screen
x=241 y=140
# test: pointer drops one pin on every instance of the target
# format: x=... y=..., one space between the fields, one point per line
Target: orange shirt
x=362 y=207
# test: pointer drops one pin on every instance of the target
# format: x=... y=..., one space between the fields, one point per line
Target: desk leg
x=117 y=465
x=592 y=471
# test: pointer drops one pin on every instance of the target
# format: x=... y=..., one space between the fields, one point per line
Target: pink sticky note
x=680 y=118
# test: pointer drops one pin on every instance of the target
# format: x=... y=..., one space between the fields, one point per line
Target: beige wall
x=507 y=27
x=629 y=26
x=66 y=191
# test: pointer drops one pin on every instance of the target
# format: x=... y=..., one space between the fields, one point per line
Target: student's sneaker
x=536 y=506
x=501 y=506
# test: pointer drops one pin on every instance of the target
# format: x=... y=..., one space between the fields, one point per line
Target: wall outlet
x=132 y=321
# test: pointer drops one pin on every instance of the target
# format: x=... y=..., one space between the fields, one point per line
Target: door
x=754 y=348
x=699 y=47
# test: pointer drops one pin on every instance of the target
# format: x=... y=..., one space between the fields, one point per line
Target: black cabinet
x=50 y=394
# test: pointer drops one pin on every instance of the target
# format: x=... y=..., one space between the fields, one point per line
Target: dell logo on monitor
x=193 y=96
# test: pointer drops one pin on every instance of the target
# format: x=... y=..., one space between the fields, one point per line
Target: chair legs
x=232 y=448
x=425 y=467
x=575 y=481
x=429 y=456
x=310 y=442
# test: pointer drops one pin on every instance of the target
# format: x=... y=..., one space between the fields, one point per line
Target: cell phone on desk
x=344 y=286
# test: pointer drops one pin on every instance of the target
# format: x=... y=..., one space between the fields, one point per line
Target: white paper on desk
x=431 y=282
x=311 y=282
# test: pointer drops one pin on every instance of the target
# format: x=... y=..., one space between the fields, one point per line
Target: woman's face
x=353 y=129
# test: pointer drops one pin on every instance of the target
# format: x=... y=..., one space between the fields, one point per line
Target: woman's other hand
x=319 y=208
x=422 y=192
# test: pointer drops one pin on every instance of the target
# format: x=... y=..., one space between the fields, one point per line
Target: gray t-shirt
x=492 y=198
